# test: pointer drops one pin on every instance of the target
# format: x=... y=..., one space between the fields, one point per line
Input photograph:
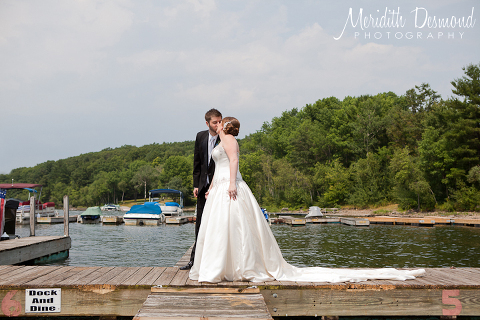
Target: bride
x=235 y=242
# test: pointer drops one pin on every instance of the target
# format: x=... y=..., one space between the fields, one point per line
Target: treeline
x=111 y=175
x=417 y=150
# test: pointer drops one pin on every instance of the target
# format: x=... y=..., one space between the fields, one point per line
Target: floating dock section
x=34 y=249
x=54 y=220
x=115 y=220
x=176 y=220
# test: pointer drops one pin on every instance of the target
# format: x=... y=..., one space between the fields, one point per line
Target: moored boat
x=171 y=208
x=110 y=207
x=148 y=214
x=22 y=215
x=314 y=211
x=90 y=216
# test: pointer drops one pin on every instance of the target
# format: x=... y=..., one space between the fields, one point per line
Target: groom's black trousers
x=200 y=205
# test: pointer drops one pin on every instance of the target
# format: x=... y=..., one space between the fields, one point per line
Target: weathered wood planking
x=121 y=291
x=294 y=221
x=176 y=220
x=55 y=220
x=358 y=222
x=207 y=303
x=185 y=258
x=114 y=220
x=424 y=221
x=322 y=220
x=29 y=248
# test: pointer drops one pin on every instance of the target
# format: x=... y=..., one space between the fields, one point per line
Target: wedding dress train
x=235 y=242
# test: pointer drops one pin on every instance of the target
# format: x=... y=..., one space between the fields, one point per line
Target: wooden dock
x=293 y=221
x=113 y=220
x=34 y=249
x=424 y=221
x=177 y=220
x=122 y=291
x=388 y=220
x=54 y=220
x=357 y=222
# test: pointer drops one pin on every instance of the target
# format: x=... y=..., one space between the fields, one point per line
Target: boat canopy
x=92 y=211
x=172 y=204
x=18 y=185
x=159 y=191
x=147 y=207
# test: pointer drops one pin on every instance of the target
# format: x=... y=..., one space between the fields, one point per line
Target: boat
x=91 y=216
x=110 y=207
x=314 y=212
x=147 y=214
x=22 y=214
x=171 y=208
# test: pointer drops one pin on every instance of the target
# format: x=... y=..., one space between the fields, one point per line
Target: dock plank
x=27 y=274
x=107 y=276
x=151 y=278
x=180 y=278
x=166 y=277
x=92 y=276
x=81 y=273
x=122 y=276
x=202 y=306
x=55 y=279
x=15 y=273
x=137 y=276
x=40 y=281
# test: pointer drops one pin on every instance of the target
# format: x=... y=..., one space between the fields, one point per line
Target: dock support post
x=32 y=216
x=66 y=215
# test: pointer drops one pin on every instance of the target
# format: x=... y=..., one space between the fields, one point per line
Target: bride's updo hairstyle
x=231 y=126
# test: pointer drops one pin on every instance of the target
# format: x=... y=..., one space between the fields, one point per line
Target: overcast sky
x=81 y=76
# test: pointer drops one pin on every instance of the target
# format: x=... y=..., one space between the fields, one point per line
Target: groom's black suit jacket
x=201 y=168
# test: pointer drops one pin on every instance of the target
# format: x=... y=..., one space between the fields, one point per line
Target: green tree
x=411 y=189
x=333 y=181
x=143 y=178
x=464 y=135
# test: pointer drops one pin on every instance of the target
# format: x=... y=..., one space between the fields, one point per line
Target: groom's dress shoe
x=188 y=266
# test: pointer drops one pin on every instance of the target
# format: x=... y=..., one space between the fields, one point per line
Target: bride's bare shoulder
x=230 y=143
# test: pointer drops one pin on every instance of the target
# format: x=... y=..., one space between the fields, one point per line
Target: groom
x=203 y=168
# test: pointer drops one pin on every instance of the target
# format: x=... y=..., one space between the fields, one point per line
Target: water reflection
x=331 y=245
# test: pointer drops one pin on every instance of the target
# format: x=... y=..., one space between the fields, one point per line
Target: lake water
x=326 y=245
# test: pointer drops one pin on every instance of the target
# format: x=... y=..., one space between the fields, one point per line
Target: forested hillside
x=111 y=175
x=417 y=150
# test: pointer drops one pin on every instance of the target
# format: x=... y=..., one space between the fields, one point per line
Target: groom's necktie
x=211 y=145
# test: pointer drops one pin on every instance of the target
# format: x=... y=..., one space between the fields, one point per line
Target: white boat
x=91 y=216
x=22 y=215
x=314 y=212
x=171 y=209
x=41 y=210
x=168 y=208
x=147 y=214
x=110 y=207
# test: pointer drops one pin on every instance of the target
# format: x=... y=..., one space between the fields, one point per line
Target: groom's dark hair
x=212 y=113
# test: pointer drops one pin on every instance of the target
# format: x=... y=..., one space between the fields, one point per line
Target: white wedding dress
x=235 y=242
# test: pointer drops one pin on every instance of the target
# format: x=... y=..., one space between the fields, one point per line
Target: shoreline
x=394 y=213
